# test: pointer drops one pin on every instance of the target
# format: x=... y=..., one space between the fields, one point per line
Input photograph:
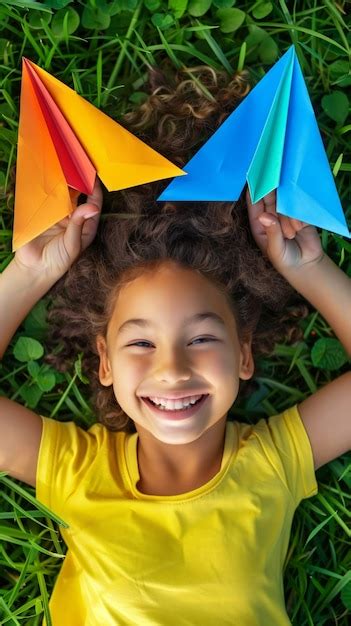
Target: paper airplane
x=272 y=141
x=63 y=141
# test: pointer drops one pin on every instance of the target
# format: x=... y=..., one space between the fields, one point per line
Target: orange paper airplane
x=63 y=142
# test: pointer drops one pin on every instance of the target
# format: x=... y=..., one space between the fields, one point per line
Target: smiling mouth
x=176 y=413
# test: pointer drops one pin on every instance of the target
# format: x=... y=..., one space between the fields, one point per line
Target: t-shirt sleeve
x=65 y=454
x=288 y=449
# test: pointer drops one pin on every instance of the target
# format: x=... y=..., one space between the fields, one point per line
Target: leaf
x=262 y=9
x=338 y=68
x=255 y=37
x=95 y=18
x=268 y=50
x=58 y=21
x=223 y=4
x=339 y=73
x=177 y=7
x=230 y=19
x=152 y=5
x=336 y=106
x=27 y=349
x=127 y=5
x=56 y=4
x=35 y=322
x=33 y=368
x=138 y=97
x=338 y=164
x=78 y=369
x=37 y=18
x=27 y=496
x=319 y=527
x=46 y=380
x=197 y=8
x=113 y=8
x=26 y=4
x=31 y=395
x=328 y=354
x=3 y=45
x=2 y=181
x=38 y=606
x=162 y=20
x=345 y=596
x=256 y=397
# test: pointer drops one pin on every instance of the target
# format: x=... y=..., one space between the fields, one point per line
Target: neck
x=181 y=464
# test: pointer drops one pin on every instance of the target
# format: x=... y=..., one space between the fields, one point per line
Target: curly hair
x=136 y=234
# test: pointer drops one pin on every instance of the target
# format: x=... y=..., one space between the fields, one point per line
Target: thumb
x=73 y=234
x=275 y=238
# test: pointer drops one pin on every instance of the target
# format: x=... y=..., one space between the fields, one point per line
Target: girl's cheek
x=136 y=367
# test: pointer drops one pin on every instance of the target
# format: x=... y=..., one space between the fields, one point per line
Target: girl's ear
x=247 y=364
x=105 y=372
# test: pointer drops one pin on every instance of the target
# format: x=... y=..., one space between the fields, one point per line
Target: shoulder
x=68 y=454
x=74 y=446
x=281 y=442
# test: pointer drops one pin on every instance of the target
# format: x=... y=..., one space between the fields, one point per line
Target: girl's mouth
x=177 y=414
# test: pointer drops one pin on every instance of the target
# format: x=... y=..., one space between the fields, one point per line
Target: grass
x=103 y=50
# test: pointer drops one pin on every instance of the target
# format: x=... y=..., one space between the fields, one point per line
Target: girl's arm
x=31 y=273
x=294 y=249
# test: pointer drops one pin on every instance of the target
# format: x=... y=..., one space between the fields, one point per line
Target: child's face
x=172 y=360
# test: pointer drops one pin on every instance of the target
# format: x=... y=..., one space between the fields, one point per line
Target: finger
x=297 y=224
x=89 y=209
x=95 y=198
x=253 y=204
x=72 y=237
x=288 y=229
x=275 y=238
x=254 y=209
x=269 y=202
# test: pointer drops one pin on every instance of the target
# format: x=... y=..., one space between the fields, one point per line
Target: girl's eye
x=137 y=343
x=204 y=339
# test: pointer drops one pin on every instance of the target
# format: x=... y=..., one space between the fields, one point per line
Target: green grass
x=104 y=53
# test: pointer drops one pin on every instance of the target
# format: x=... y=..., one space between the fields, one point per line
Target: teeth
x=180 y=403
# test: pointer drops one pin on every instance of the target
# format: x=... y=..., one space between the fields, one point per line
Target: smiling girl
x=174 y=514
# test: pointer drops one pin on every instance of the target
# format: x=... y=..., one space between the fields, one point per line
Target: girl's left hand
x=287 y=242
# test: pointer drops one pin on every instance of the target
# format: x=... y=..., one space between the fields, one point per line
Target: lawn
x=103 y=50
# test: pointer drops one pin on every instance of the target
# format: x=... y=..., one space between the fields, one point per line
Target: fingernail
x=87 y=215
x=266 y=221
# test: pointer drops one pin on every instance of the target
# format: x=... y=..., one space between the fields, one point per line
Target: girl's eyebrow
x=198 y=317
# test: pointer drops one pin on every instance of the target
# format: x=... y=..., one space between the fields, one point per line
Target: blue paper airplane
x=272 y=141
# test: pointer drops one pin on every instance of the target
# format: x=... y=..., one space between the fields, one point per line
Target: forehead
x=169 y=294
x=165 y=283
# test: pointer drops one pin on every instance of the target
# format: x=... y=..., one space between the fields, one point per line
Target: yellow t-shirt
x=213 y=556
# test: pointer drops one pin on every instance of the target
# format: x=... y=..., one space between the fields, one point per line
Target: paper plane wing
x=42 y=196
x=307 y=189
x=272 y=141
x=121 y=160
x=63 y=142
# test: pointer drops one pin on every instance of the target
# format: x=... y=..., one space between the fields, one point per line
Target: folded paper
x=63 y=142
x=272 y=141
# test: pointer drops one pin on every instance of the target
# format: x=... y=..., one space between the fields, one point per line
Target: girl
x=169 y=303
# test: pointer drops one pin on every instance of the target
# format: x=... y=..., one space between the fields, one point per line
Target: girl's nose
x=173 y=368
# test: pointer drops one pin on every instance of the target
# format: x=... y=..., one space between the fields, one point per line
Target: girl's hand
x=54 y=251
x=287 y=242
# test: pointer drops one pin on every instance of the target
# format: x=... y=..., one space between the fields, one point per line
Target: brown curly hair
x=136 y=234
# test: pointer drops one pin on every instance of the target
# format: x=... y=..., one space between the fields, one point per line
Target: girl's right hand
x=54 y=251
